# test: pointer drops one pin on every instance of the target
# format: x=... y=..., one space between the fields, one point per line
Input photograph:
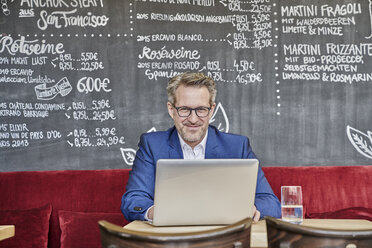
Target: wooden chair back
x=236 y=235
x=281 y=234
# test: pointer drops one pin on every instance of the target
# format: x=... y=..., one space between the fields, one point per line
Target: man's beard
x=192 y=137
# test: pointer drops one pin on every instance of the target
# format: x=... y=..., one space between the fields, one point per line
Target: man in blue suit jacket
x=191 y=104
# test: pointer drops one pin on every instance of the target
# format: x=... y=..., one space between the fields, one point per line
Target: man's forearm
x=268 y=205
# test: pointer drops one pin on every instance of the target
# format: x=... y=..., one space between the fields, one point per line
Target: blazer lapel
x=175 y=150
x=211 y=150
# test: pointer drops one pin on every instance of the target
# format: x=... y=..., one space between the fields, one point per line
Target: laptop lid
x=204 y=192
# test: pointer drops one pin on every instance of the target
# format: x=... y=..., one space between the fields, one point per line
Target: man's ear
x=212 y=109
x=170 y=109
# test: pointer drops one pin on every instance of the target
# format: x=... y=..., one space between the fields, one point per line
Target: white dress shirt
x=197 y=153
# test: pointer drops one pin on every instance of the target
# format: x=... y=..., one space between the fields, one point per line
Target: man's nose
x=193 y=117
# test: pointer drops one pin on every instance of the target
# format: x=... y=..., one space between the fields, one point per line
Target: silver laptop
x=204 y=192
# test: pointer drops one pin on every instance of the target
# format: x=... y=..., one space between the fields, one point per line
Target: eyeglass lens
x=186 y=111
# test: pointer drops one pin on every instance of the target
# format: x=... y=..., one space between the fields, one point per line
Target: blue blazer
x=153 y=146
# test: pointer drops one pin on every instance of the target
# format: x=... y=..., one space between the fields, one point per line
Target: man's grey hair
x=194 y=80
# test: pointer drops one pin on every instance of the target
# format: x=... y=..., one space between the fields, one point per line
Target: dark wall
x=81 y=80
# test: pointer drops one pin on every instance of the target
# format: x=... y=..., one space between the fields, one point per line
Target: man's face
x=193 y=128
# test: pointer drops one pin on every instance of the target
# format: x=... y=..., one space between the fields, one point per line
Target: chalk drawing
x=361 y=141
x=63 y=87
x=219 y=119
x=153 y=129
x=128 y=155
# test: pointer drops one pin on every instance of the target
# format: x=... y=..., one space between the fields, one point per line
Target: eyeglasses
x=186 y=111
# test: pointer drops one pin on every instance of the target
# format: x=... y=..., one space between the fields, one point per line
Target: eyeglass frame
x=192 y=109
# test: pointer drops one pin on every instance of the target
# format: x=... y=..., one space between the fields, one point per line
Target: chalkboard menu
x=80 y=80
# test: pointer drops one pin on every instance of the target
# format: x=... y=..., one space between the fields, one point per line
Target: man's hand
x=256 y=215
x=150 y=213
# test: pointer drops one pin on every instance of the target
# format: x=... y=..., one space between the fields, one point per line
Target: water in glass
x=292 y=209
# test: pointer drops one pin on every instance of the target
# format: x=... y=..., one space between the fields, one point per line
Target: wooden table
x=258 y=232
x=7 y=232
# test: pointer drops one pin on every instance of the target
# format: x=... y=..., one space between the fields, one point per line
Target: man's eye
x=184 y=109
x=202 y=110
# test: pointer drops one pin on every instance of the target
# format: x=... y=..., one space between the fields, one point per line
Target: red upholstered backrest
x=325 y=188
x=81 y=191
